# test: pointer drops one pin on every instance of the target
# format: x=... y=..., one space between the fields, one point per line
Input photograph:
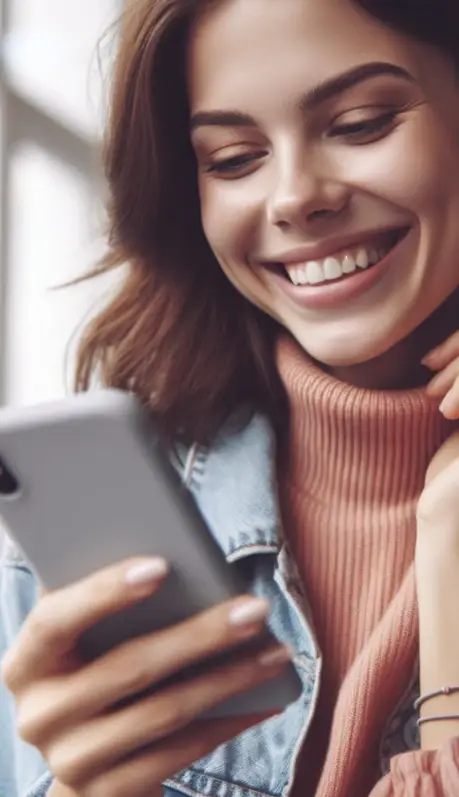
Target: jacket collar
x=234 y=485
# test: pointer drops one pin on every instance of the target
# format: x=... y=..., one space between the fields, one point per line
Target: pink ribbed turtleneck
x=349 y=487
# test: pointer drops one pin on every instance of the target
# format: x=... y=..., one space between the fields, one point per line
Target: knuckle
x=43 y=620
x=39 y=712
x=66 y=763
x=29 y=725
x=134 y=676
x=33 y=718
x=8 y=667
x=172 y=714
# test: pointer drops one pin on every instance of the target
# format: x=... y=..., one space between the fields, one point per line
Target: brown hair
x=177 y=332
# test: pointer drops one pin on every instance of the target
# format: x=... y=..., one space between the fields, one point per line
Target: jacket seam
x=232 y=787
x=189 y=464
x=195 y=465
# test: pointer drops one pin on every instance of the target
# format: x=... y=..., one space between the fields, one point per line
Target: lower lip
x=327 y=296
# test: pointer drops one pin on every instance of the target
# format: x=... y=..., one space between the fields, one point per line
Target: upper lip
x=333 y=246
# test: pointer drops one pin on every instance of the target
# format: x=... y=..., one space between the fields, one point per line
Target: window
x=52 y=217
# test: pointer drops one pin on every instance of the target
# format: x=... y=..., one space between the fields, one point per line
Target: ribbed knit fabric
x=349 y=487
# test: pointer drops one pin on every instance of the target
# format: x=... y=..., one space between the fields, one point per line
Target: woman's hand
x=437 y=557
x=437 y=581
x=445 y=385
x=78 y=714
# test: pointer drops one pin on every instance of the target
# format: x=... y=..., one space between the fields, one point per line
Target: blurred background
x=53 y=55
x=55 y=60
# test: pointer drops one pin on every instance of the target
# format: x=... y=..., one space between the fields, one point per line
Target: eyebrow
x=312 y=99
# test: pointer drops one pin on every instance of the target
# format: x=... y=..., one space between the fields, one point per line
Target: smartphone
x=85 y=482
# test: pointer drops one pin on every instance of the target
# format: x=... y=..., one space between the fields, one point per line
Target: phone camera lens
x=9 y=485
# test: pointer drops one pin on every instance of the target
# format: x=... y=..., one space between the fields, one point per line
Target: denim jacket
x=234 y=485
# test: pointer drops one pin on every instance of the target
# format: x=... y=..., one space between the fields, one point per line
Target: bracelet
x=445 y=690
x=437 y=718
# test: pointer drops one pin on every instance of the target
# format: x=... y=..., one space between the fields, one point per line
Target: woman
x=285 y=188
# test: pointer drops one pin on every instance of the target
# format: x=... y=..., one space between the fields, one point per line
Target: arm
x=434 y=770
x=437 y=578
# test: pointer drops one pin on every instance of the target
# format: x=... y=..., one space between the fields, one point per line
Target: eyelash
x=359 y=129
x=365 y=128
x=232 y=164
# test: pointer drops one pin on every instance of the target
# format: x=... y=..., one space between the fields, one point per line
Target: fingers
x=138 y=776
x=97 y=746
x=450 y=404
x=59 y=619
x=445 y=385
x=443 y=381
x=136 y=666
x=141 y=663
x=442 y=355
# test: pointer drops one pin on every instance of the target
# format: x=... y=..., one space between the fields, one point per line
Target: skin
x=290 y=177
x=302 y=182
x=71 y=709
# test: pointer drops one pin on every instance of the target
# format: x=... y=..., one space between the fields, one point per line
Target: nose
x=301 y=195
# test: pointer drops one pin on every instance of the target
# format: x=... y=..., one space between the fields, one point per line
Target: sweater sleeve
x=423 y=773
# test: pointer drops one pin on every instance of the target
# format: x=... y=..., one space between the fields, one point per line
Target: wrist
x=437 y=551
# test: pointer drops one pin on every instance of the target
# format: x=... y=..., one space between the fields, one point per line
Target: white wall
x=53 y=213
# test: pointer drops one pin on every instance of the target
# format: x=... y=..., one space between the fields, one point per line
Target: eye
x=366 y=130
x=237 y=166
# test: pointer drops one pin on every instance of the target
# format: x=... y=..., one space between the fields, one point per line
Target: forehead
x=256 y=48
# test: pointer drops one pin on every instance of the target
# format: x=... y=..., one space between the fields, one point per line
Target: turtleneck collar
x=370 y=446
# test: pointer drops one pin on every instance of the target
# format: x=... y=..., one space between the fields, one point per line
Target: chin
x=343 y=352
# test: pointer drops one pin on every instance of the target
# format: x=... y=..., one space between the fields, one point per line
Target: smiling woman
x=284 y=183
x=340 y=151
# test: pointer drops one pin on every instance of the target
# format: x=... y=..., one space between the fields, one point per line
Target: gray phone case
x=96 y=487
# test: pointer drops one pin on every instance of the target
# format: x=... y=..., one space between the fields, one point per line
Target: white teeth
x=314 y=272
x=332 y=269
x=362 y=259
x=302 y=275
x=348 y=264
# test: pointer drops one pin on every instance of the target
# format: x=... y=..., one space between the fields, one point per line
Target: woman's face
x=328 y=157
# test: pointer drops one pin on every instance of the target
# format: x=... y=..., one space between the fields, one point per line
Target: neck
x=400 y=368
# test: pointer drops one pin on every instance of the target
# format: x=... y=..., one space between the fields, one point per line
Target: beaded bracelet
x=445 y=690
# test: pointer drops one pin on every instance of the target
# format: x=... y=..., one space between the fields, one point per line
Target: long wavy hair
x=177 y=333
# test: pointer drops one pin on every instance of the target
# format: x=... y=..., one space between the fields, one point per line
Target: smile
x=342 y=264
x=339 y=276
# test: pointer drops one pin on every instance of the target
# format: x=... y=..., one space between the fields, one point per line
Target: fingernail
x=447 y=406
x=276 y=656
x=146 y=572
x=429 y=359
x=249 y=612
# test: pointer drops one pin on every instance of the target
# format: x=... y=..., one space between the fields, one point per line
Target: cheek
x=229 y=218
x=416 y=168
